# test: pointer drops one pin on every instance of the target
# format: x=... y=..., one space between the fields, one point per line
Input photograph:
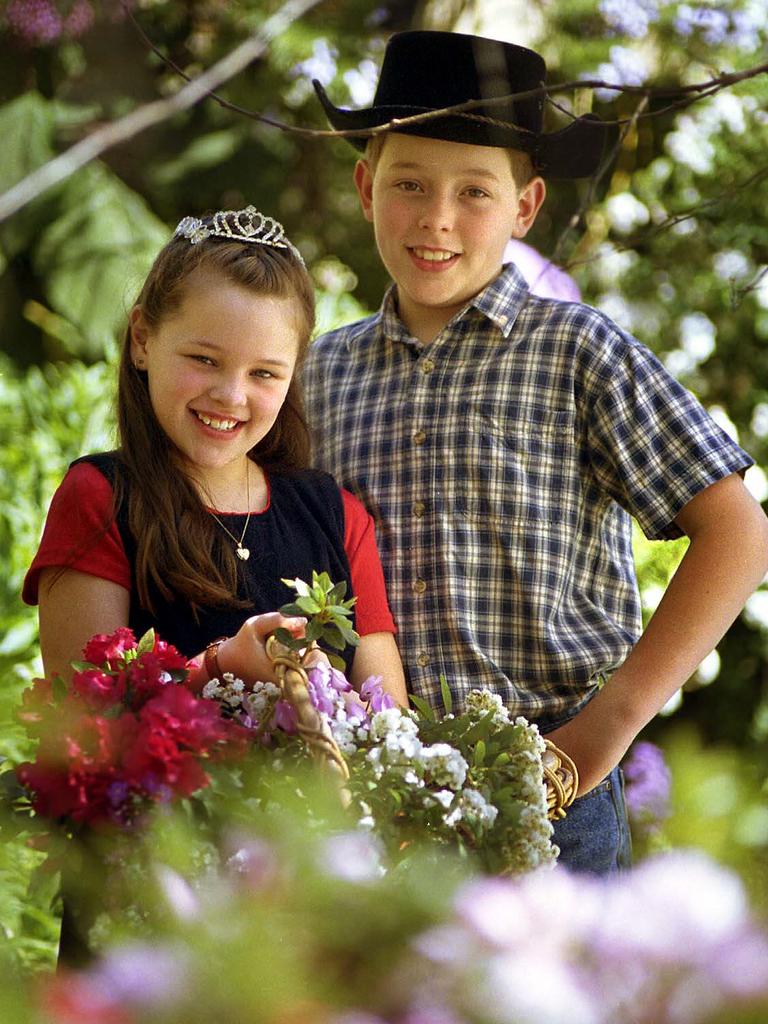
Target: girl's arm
x=378 y=655
x=75 y=605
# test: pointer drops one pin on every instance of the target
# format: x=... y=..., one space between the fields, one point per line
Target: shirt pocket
x=518 y=466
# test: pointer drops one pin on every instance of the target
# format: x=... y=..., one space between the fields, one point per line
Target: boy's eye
x=476 y=193
x=408 y=186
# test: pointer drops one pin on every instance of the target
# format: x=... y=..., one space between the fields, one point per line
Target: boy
x=502 y=440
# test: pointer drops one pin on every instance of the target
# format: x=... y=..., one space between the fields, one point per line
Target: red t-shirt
x=68 y=540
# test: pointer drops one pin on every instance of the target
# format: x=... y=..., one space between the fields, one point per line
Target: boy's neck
x=425 y=322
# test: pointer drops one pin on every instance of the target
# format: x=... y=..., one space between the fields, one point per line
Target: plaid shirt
x=501 y=463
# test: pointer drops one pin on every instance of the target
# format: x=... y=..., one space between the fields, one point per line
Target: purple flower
x=285 y=717
x=353 y=856
x=142 y=975
x=326 y=676
x=713 y=24
x=38 y=22
x=543 y=277
x=319 y=697
x=373 y=692
x=630 y=17
x=647 y=784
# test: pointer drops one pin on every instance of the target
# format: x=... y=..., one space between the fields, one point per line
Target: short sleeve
x=653 y=447
x=372 y=614
x=80 y=532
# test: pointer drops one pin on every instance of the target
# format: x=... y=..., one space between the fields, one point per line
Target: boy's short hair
x=522 y=165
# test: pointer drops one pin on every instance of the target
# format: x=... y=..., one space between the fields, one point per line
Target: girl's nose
x=228 y=391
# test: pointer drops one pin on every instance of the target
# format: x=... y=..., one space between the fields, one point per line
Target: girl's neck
x=231 y=490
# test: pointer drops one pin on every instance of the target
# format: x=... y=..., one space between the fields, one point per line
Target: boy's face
x=442 y=214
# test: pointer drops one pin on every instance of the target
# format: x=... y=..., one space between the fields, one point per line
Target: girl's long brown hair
x=181 y=553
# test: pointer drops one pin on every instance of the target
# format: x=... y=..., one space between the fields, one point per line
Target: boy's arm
x=725 y=561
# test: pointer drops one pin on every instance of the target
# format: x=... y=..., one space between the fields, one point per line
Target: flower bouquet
x=129 y=737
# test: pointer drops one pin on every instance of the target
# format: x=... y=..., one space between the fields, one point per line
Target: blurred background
x=671 y=241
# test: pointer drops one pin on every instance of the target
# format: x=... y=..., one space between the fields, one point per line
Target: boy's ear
x=364 y=185
x=139 y=336
x=528 y=205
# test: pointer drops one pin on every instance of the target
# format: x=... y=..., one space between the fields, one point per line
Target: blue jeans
x=594 y=836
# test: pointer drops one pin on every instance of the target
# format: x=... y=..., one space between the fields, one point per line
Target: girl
x=207 y=504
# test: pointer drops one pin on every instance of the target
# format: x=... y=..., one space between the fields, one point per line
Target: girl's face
x=219 y=368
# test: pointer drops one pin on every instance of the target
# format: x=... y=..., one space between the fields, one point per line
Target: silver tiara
x=248 y=225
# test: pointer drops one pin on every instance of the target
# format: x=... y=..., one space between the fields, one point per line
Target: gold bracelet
x=211 y=659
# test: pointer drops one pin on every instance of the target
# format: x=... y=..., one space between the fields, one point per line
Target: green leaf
x=59 y=688
x=479 y=758
x=422 y=707
x=447 y=695
x=291 y=609
x=308 y=605
x=284 y=637
x=101 y=245
x=147 y=642
x=337 y=592
x=337 y=662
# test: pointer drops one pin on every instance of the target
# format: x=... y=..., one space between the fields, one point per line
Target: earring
x=138 y=364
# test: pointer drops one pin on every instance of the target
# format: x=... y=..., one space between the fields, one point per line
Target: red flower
x=193 y=722
x=98 y=689
x=76 y=999
x=102 y=649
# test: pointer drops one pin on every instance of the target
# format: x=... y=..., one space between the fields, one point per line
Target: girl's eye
x=206 y=360
x=263 y=374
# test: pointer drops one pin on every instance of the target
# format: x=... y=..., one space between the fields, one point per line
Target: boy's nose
x=437 y=214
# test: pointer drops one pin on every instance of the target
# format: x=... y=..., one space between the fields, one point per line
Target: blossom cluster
x=672 y=942
x=411 y=778
x=126 y=734
x=44 y=22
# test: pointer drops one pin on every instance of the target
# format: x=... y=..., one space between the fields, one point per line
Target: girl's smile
x=218 y=368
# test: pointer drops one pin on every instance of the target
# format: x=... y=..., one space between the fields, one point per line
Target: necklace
x=241 y=552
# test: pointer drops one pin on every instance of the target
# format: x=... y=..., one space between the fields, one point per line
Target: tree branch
x=61 y=167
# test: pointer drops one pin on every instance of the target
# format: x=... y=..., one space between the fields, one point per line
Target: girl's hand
x=245 y=653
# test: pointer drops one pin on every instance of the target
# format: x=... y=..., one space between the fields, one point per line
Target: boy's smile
x=442 y=214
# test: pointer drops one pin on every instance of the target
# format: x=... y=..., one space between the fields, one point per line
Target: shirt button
x=419 y=508
x=422 y=660
x=419 y=586
x=419 y=437
x=427 y=366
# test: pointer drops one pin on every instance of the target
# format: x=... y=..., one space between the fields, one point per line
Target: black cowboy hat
x=425 y=71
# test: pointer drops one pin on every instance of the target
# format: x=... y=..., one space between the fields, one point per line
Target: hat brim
x=574 y=151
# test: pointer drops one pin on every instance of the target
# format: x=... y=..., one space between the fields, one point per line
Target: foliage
x=291 y=922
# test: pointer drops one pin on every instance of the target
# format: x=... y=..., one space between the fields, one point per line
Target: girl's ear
x=139 y=338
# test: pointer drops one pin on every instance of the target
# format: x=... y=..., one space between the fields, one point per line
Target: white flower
x=444 y=764
x=482 y=702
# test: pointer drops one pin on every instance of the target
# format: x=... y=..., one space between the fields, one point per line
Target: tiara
x=248 y=225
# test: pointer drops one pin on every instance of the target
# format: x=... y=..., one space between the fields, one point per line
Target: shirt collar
x=500 y=302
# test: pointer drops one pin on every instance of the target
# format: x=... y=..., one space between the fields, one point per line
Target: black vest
x=302 y=530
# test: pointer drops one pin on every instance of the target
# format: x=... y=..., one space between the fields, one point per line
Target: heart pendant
x=243 y=553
